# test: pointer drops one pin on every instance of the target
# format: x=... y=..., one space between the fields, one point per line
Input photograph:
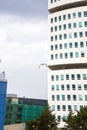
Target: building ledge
x=68 y=6
x=68 y=66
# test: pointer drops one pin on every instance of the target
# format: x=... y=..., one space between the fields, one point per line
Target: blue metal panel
x=3 y=88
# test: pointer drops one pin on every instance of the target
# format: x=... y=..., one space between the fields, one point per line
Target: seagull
x=42 y=65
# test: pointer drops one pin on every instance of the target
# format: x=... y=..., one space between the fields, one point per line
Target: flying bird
x=43 y=64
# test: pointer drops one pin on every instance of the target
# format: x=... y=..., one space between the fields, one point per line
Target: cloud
x=25 y=8
x=23 y=47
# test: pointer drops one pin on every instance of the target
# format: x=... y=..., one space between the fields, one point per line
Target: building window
x=85 y=86
x=85 y=13
x=56 y=47
x=63 y=97
x=63 y=107
x=62 y=87
x=81 y=106
x=58 y=107
x=55 y=37
x=57 y=87
x=51 y=20
x=79 y=14
x=80 y=97
x=69 y=16
x=68 y=87
x=70 y=35
x=69 y=26
x=64 y=26
x=80 y=24
x=55 y=19
x=52 y=48
x=75 y=107
x=55 y=28
x=60 y=27
x=74 y=15
x=57 y=77
x=61 y=55
x=62 y=77
x=74 y=25
x=51 y=38
x=79 y=87
x=72 y=76
x=58 y=97
x=64 y=117
x=59 y=18
x=76 y=44
x=67 y=77
x=52 y=77
x=65 y=45
x=56 y=56
x=81 y=44
x=51 y=29
x=51 y=57
x=74 y=97
x=71 y=55
x=51 y=1
x=86 y=43
x=60 y=46
x=82 y=54
x=85 y=23
x=53 y=107
x=64 y=17
x=53 y=97
x=69 y=108
x=78 y=77
x=76 y=54
x=86 y=34
x=73 y=87
x=80 y=34
x=75 y=34
x=84 y=76
x=85 y=97
x=65 y=36
x=68 y=98
x=70 y=45
x=60 y=37
x=52 y=87
x=59 y=118
x=66 y=55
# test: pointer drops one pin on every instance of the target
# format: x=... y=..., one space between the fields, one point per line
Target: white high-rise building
x=67 y=41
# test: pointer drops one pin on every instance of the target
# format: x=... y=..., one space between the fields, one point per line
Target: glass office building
x=67 y=42
x=3 y=88
x=20 y=110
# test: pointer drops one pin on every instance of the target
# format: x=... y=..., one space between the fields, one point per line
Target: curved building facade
x=67 y=41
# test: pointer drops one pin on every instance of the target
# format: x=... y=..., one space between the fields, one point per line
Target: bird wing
x=42 y=64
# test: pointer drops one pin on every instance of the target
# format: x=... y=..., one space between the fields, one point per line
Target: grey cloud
x=33 y=82
x=26 y=8
x=21 y=60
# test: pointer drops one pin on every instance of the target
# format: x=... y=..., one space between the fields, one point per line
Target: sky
x=23 y=46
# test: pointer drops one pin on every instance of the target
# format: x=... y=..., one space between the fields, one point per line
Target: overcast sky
x=23 y=46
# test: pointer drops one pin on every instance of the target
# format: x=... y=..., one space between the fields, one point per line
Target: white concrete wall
x=68 y=31
x=66 y=92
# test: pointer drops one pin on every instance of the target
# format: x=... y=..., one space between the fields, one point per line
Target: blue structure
x=3 y=88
